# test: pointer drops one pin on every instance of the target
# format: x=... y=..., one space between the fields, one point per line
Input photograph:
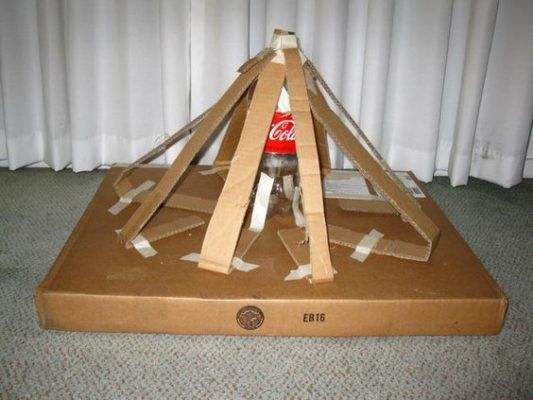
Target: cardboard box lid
x=94 y=263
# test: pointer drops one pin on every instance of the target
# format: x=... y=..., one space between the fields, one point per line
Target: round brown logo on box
x=250 y=317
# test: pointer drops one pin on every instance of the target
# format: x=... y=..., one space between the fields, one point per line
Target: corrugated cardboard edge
x=366 y=206
x=282 y=317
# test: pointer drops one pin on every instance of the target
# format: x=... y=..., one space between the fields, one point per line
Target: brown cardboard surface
x=309 y=169
x=225 y=225
x=97 y=285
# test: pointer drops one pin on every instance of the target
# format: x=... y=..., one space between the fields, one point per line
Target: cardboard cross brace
x=253 y=97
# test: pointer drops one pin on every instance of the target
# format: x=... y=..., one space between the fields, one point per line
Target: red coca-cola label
x=281 y=136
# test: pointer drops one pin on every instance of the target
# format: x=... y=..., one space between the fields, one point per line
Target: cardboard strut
x=309 y=169
x=253 y=97
x=225 y=226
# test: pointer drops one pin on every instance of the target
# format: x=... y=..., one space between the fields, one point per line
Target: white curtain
x=439 y=86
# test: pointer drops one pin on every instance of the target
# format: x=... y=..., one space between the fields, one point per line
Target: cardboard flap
x=367 y=206
x=294 y=241
x=373 y=171
x=386 y=247
x=309 y=169
x=225 y=225
x=193 y=146
x=184 y=202
x=167 y=229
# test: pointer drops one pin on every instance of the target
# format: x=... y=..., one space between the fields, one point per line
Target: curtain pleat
x=439 y=87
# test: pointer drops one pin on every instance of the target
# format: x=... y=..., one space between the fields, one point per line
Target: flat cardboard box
x=96 y=285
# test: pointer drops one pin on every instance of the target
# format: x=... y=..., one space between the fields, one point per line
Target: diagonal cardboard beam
x=217 y=113
x=382 y=182
x=309 y=168
x=225 y=225
x=122 y=184
x=313 y=76
x=233 y=133
x=322 y=146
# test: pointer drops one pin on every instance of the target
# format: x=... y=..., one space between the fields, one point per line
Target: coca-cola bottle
x=279 y=159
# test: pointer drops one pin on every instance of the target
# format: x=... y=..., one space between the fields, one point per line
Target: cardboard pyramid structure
x=250 y=103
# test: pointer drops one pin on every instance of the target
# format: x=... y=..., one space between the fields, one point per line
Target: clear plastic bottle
x=279 y=159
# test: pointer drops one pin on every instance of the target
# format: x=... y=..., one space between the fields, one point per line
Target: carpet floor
x=38 y=210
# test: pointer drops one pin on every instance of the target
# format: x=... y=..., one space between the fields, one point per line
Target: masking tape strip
x=288 y=186
x=143 y=246
x=262 y=198
x=213 y=170
x=241 y=265
x=279 y=58
x=303 y=271
x=193 y=257
x=365 y=246
x=299 y=218
x=128 y=197
x=281 y=42
x=237 y=263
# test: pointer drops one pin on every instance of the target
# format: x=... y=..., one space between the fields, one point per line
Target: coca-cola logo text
x=282 y=130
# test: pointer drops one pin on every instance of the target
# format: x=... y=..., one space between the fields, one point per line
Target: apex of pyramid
x=282 y=39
